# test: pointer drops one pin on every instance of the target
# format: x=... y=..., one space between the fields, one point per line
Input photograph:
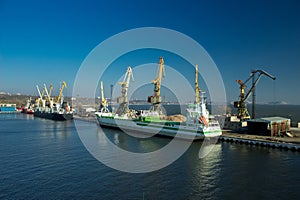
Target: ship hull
x=181 y=131
x=27 y=111
x=54 y=116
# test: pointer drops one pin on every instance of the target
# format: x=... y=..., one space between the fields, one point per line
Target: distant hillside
x=277 y=103
x=18 y=99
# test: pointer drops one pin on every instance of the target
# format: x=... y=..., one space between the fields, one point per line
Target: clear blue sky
x=46 y=41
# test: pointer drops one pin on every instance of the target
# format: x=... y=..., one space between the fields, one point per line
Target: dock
x=287 y=143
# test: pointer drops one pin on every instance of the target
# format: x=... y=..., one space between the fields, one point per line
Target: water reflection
x=55 y=129
x=130 y=143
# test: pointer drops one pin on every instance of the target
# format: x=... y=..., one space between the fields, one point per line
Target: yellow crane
x=155 y=99
x=197 y=88
x=49 y=99
x=123 y=99
x=103 y=106
x=60 y=96
x=50 y=90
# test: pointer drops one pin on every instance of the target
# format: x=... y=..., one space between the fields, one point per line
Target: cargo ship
x=28 y=108
x=58 y=114
x=58 y=110
x=197 y=124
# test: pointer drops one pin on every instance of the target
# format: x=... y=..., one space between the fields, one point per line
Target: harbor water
x=45 y=159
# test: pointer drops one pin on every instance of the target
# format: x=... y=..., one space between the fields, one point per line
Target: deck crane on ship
x=242 y=112
x=60 y=97
x=123 y=99
x=40 y=100
x=103 y=104
x=155 y=99
x=50 y=89
x=49 y=99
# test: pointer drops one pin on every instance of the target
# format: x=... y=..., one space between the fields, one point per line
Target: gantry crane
x=243 y=113
x=103 y=104
x=60 y=96
x=155 y=99
x=123 y=99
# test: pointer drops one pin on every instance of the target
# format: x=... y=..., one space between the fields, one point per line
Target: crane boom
x=37 y=87
x=123 y=99
x=159 y=75
x=103 y=105
x=103 y=100
x=48 y=96
x=40 y=99
x=155 y=99
x=243 y=113
x=197 y=88
x=125 y=83
x=261 y=72
x=63 y=85
x=50 y=90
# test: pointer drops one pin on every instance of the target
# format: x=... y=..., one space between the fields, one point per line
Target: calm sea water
x=44 y=159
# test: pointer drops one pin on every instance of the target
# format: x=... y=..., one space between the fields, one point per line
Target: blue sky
x=46 y=41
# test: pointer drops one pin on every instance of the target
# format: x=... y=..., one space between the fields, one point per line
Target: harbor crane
x=123 y=99
x=197 y=88
x=103 y=104
x=155 y=99
x=60 y=96
x=242 y=112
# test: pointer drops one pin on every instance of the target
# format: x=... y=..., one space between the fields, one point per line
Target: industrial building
x=270 y=126
x=8 y=107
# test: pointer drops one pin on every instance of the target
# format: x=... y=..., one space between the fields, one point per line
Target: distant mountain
x=277 y=103
x=268 y=103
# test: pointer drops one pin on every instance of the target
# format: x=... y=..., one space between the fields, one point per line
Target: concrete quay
x=287 y=143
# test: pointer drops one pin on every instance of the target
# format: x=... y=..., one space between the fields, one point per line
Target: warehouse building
x=269 y=126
